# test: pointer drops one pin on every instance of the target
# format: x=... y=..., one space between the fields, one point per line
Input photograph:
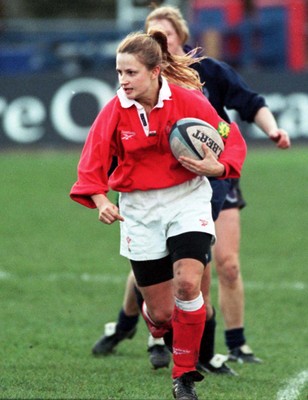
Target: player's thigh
x=228 y=232
x=155 y=282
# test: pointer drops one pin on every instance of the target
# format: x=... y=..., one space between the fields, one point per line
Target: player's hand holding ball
x=209 y=166
x=197 y=145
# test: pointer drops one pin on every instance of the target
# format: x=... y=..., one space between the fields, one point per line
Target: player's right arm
x=107 y=211
x=234 y=154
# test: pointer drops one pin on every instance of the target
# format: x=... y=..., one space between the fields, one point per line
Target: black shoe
x=160 y=356
x=112 y=336
x=243 y=354
x=184 y=386
x=217 y=365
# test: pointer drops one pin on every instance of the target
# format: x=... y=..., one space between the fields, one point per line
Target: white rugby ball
x=187 y=136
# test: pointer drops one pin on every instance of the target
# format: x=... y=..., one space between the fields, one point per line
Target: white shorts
x=151 y=217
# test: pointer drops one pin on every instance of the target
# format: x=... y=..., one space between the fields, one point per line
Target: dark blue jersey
x=226 y=89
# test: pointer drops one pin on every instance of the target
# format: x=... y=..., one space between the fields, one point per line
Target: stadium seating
x=24 y=51
x=274 y=35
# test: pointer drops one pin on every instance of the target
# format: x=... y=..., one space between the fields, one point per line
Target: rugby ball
x=188 y=135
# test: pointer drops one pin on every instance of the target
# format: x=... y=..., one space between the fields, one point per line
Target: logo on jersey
x=126 y=135
x=223 y=129
x=204 y=222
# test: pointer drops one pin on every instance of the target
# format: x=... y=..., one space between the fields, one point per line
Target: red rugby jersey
x=146 y=162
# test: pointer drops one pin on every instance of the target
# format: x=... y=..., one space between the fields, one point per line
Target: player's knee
x=187 y=287
x=186 y=290
x=229 y=271
x=161 y=316
x=187 y=280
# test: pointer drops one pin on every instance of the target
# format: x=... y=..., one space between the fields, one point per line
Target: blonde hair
x=151 y=49
x=174 y=16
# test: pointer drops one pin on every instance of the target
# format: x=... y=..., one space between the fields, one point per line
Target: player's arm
x=107 y=211
x=231 y=160
x=96 y=157
x=266 y=121
x=234 y=154
x=250 y=105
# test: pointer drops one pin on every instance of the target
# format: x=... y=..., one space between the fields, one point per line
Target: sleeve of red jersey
x=234 y=153
x=235 y=150
x=94 y=162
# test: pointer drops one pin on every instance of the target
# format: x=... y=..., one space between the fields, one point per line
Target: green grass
x=61 y=279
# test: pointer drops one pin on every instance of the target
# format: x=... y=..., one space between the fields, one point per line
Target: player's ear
x=156 y=71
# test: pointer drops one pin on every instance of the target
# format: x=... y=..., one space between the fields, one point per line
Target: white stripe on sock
x=190 y=305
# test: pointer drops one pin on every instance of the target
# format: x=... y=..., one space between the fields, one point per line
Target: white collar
x=164 y=94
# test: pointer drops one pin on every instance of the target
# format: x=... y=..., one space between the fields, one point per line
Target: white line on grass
x=5 y=276
x=119 y=277
x=102 y=278
x=293 y=387
x=86 y=277
x=253 y=285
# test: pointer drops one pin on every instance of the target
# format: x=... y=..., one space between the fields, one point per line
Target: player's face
x=174 y=42
x=136 y=80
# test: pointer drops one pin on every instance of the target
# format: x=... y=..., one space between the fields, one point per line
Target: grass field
x=61 y=279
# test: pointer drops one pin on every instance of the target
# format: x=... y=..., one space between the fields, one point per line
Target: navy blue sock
x=125 y=322
x=207 y=346
x=234 y=338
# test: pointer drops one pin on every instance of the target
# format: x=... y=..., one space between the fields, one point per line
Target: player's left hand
x=209 y=166
x=281 y=138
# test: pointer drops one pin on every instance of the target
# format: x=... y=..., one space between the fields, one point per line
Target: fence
x=46 y=110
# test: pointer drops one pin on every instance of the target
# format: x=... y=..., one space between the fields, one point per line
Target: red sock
x=188 y=327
